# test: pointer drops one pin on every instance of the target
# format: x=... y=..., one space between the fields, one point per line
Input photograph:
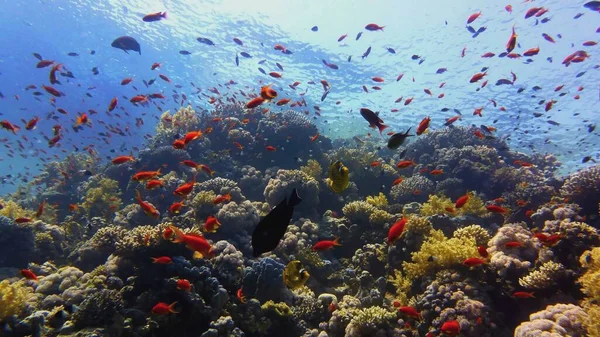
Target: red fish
x=523 y=294
x=496 y=209
x=532 y=11
x=154 y=17
x=473 y=261
x=477 y=77
x=40 y=210
x=450 y=328
x=52 y=91
x=192 y=135
x=410 y=312
x=145 y=175
x=342 y=38
x=512 y=41
x=155 y=65
x=222 y=198
x=176 y=206
x=270 y=148
x=374 y=27
x=28 y=274
x=398 y=181
x=162 y=260
x=253 y=103
x=423 y=125
x=488 y=54
x=532 y=51
x=212 y=224
x=513 y=244
x=283 y=101
x=179 y=144
x=275 y=74
x=482 y=251
x=82 y=119
x=396 y=231
x=548 y=38
x=9 y=126
x=126 y=81
x=32 y=123
x=473 y=17
x=122 y=159
x=206 y=169
x=460 y=202
x=378 y=79
x=436 y=172
x=113 y=104
x=147 y=207
x=240 y=296
x=139 y=99
x=164 y=309
x=164 y=78
x=186 y=188
x=325 y=245
x=23 y=220
x=196 y=242
x=183 y=284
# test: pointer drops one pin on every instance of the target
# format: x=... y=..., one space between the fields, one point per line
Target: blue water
x=434 y=30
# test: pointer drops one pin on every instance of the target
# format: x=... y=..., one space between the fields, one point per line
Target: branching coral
x=544 y=277
x=313 y=169
x=12 y=298
x=583 y=188
x=368 y=321
x=182 y=121
x=13 y=210
x=480 y=234
x=412 y=188
x=438 y=205
x=379 y=201
x=437 y=253
x=358 y=211
x=102 y=199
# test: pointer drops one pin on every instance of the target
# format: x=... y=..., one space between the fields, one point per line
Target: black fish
x=73 y=54
x=580 y=74
x=126 y=43
x=551 y=122
x=503 y=54
x=184 y=52
x=271 y=228
x=358 y=35
x=421 y=61
x=246 y=55
x=279 y=66
x=391 y=50
x=484 y=69
x=37 y=56
x=315 y=29
x=92 y=52
x=237 y=60
x=445 y=109
x=367 y=52
x=503 y=81
x=471 y=30
x=481 y=30
x=441 y=71
x=578 y=15
x=457 y=111
x=205 y=41
x=520 y=90
x=324 y=95
x=537 y=114
x=536 y=88
x=373 y=119
x=261 y=61
x=591 y=128
x=415 y=57
x=586 y=159
x=349 y=58
x=544 y=20
x=262 y=71
x=398 y=139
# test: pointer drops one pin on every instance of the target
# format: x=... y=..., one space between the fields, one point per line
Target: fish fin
x=294 y=198
x=195 y=234
x=164 y=15
x=197 y=255
x=171 y=308
x=336 y=242
x=178 y=234
x=125 y=50
x=382 y=127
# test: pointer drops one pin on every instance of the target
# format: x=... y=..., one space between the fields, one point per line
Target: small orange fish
x=212 y=224
x=513 y=244
x=283 y=101
x=496 y=209
x=152 y=184
x=375 y=164
x=186 y=188
x=189 y=163
x=176 y=207
x=482 y=251
x=325 y=245
x=238 y=145
x=396 y=231
x=147 y=207
x=240 y=296
x=436 y=172
x=222 y=198
x=410 y=312
x=270 y=148
x=179 y=144
x=162 y=260
x=183 y=284
x=164 y=309
x=512 y=41
x=22 y=220
x=192 y=135
x=206 y=169
x=28 y=274
x=473 y=261
x=313 y=138
x=398 y=181
x=450 y=328
x=122 y=159
x=145 y=175
x=423 y=125
x=523 y=294
x=405 y=164
x=253 y=103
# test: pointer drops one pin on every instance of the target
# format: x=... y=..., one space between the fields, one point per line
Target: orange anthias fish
x=396 y=231
x=410 y=312
x=240 y=296
x=473 y=261
x=83 y=119
x=523 y=294
x=32 y=123
x=222 y=198
x=206 y=169
x=147 y=207
x=253 y=103
x=40 y=210
x=513 y=244
x=179 y=144
x=9 y=126
x=325 y=245
x=154 y=183
x=176 y=207
x=164 y=309
x=183 y=284
x=162 y=260
x=196 y=242
x=450 y=328
x=496 y=209
x=192 y=135
x=189 y=163
x=398 y=181
x=270 y=148
x=405 y=164
x=186 y=188
x=28 y=274
x=145 y=175
x=212 y=224
x=482 y=251
x=512 y=41
x=423 y=126
x=122 y=159
x=436 y=172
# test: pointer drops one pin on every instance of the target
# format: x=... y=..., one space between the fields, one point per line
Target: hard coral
x=17 y=244
x=415 y=188
x=480 y=234
x=544 y=277
x=437 y=253
x=12 y=298
x=285 y=181
x=102 y=199
x=583 y=188
x=560 y=320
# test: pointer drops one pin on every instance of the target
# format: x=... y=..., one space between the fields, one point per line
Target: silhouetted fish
x=205 y=41
x=126 y=43
x=398 y=139
x=271 y=228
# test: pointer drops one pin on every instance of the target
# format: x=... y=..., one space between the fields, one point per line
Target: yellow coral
x=402 y=285
x=590 y=282
x=12 y=298
x=380 y=217
x=418 y=225
x=279 y=309
x=13 y=210
x=103 y=200
x=182 y=121
x=480 y=234
x=313 y=169
x=473 y=206
x=438 y=253
x=378 y=201
x=437 y=205
x=358 y=211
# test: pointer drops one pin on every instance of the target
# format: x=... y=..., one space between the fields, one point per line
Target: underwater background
x=301 y=168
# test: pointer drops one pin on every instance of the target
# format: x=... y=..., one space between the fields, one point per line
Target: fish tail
x=382 y=127
x=172 y=308
x=164 y=15
x=294 y=198
x=336 y=242
x=138 y=195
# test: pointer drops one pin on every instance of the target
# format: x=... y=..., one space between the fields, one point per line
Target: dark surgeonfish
x=398 y=139
x=593 y=5
x=271 y=228
x=126 y=43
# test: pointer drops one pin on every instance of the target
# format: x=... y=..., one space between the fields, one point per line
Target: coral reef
x=556 y=320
